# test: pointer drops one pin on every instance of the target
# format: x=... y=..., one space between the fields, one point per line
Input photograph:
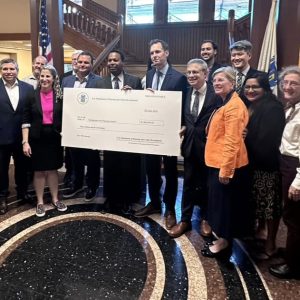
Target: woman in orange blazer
x=226 y=157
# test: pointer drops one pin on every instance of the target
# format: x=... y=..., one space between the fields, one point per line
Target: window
x=222 y=8
x=139 y=11
x=183 y=10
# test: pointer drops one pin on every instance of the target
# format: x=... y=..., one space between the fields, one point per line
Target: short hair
x=46 y=60
x=119 y=51
x=228 y=72
x=241 y=45
x=289 y=70
x=214 y=44
x=9 y=61
x=164 y=44
x=200 y=62
x=86 y=53
x=76 y=52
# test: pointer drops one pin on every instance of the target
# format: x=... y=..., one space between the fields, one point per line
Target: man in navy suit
x=208 y=52
x=122 y=170
x=240 y=55
x=200 y=103
x=13 y=95
x=162 y=77
x=84 y=78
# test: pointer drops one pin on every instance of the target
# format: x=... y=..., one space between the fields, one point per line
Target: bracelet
x=24 y=142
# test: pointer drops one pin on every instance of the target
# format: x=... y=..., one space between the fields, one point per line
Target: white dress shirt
x=121 y=80
x=163 y=72
x=13 y=93
x=202 y=94
x=290 y=142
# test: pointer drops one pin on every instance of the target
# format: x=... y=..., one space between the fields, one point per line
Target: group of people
x=239 y=142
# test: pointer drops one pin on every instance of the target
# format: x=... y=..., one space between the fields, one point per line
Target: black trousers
x=91 y=159
x=195 y=189
x=122 y=178
x=291 y=211
x=153 y=171
x=21 y=165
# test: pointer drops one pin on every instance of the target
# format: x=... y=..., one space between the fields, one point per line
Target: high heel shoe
x=222 y=254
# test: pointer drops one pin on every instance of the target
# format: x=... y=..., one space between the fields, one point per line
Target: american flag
x=44 y=38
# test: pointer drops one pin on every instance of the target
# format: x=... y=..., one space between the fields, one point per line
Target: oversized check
x=138 y=121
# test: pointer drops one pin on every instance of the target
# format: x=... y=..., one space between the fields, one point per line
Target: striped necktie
x=239 y=82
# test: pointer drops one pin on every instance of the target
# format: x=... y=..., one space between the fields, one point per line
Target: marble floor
x=84 y=253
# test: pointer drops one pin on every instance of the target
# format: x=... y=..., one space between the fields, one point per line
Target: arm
x=25 y=143
x=294 y=190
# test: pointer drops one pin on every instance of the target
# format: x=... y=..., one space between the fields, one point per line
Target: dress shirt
x=13 y=93
x=290 y=142
x=121 y=80
x=81 y=84
x=162 y=76
x=31 y=80
x=202 y=94
x=244 y=72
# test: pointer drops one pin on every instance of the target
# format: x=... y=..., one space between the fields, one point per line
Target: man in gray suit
x=122 y=170
x=84 y=78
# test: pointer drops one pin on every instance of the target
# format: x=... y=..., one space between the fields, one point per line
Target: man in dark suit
x=208 y=52
x=162 y=77
x=84 y=78
x=240 y=55
x=200 y=103
x=13 y=95
x=122 y=170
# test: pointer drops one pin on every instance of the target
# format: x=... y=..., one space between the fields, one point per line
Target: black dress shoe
x=149 y=209
x=283 y=271
x=90 y=194
x=223 y=254
x=72 y=192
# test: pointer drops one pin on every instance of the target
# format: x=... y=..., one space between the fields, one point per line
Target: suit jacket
x=195 y=135
x=131 y=80
x=214 y=67
x=225 y=148
x=10 y=119
x=33 y=115
x=173 y=81
x=91 y=83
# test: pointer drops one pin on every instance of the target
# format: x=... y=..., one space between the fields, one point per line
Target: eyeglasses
x=292 y=84
x=253 y=87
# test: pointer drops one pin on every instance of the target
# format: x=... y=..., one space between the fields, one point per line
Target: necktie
x=195 y=107
x=158 y=75
x=239 y=82
x=116 y=84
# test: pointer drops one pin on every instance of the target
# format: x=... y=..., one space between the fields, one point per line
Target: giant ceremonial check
x=131 y=121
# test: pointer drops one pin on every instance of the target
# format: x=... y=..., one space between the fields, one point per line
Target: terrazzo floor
x=84 y=253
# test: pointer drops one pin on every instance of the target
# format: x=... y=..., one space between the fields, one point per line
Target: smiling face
x=252 y=90
x=38 y=63
x=195 y=75
x=207 y=52
x=158 y=55
x=9 y=73
x=222 y=85
x=291 y=88
x=46 y=80
x=240 y=59
x=84 y=65
x=115 y=63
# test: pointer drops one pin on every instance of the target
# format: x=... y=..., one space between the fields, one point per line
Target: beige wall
x=15 y=16
x=110 y=4
x=23 y=57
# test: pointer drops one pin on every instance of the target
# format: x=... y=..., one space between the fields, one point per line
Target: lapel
x=90 y=80
x=167 y=78
x=107 y=82
x=38 y=101
x=149 y=78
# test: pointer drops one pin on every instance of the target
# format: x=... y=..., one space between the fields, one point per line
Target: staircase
x=84 y=29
